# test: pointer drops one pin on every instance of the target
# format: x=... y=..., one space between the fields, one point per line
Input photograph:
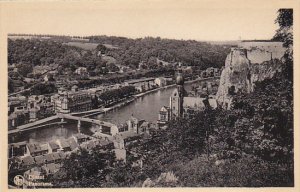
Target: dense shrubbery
x=251 y=145
x=84 y=169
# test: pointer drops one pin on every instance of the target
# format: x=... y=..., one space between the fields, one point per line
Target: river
x=145 y=107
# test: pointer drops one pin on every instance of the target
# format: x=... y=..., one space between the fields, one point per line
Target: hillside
x=250 y=145
x=128 y=52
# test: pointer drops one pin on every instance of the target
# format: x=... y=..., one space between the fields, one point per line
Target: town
x=33 y=112
x=107 y=111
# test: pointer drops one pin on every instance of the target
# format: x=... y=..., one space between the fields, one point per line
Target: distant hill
x=72 y=52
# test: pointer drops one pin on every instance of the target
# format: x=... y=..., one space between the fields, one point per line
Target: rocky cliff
x=240 y=74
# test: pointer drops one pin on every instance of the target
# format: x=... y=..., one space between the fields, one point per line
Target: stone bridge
x=46 y=121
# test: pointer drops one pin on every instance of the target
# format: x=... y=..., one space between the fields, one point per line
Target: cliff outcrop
x=242 y=71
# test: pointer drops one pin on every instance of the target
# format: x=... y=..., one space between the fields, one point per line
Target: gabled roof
x=40 y=159
x=53 y=145
x=34 y=147
x=49 y=157
x=164 y=108
x=64 y=143
x=56 y=156
x=28 y=160
x=44 y=147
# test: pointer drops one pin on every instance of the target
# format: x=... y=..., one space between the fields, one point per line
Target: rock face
x=240 y=74
x=234 y=77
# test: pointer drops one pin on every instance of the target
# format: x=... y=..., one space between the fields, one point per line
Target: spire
x=179 y=77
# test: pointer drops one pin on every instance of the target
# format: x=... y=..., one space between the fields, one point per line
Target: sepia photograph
x=148 y=94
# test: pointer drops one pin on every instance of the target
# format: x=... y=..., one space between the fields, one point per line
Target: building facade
x=181 y=104
x=72 y=101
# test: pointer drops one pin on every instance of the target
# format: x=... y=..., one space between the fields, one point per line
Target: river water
x=145 y=107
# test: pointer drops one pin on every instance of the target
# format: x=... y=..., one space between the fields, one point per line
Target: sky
x=179 y=19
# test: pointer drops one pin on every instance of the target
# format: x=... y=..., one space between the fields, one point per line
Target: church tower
x=176 y=99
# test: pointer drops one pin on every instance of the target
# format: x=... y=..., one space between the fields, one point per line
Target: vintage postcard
x=191 y=94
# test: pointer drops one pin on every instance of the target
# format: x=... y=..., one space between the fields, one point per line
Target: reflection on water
x=145 y=107
x=51 y=133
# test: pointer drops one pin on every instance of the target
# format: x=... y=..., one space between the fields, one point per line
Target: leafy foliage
x=84 y=169
x=285 y=34
x=130 y=52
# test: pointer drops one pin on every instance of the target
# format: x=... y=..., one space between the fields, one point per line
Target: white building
x=160 y=81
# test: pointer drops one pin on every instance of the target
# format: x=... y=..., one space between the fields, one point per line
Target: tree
x=85 y=169
x=24 y=69
x=285 y=34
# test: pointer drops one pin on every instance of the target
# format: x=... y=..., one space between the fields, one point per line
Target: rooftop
x=28 y=160
x=53 y=145
x=34 y=147
x=40 y=159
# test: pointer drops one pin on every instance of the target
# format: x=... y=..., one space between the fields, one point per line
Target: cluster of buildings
x=211 y=72
x=146 y=84
x=133 y=125
x=24 y=149
x=184 y=104
x=75 y=100
x=69 y=101
x=22 y=110
x=142 y=85
x=46 y=159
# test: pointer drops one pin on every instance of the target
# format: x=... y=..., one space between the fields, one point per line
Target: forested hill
x=189 y=52
x=127 y=52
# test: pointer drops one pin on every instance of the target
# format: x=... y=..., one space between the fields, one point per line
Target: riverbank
x=145 y=107
x=136 y=96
